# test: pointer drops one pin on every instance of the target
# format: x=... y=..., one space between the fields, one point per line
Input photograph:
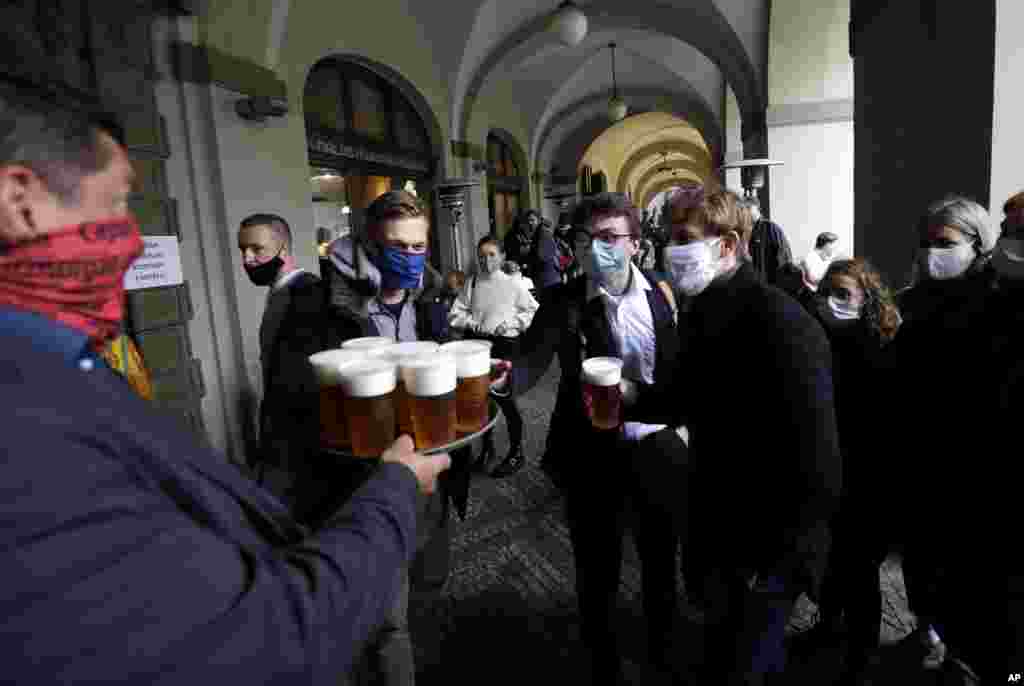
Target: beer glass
x=367 y=343
x=601 y=396
x=430 y=381
x=395 y=353
x=473 y=368
x=369 y=387
x=327 y=366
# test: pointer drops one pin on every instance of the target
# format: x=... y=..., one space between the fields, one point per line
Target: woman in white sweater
x=496 y=307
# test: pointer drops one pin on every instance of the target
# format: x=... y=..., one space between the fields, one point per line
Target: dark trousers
x=965 y=591
x=850 y=586
x=744 y=633
x=600 y=502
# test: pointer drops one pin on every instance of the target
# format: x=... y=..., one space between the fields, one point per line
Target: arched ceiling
x=673 y=56
x=647 y=194
x=646 y=157
x=509 y=38
x=570 y=132
x=653 y=132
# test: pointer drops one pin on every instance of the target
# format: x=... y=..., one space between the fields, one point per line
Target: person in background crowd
x=790 y=278
x=291 y=330
x=519 y=243
x=817 y=260
x=454 y=280
x=563 y=244
x=773 y=543
x=513 y=270
x=495 y=307
x=769 y=249
x=860 y=317
x=131 y=552
x=545 y=260
x=958 y=347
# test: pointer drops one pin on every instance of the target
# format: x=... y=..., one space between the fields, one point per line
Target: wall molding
x=800 y=113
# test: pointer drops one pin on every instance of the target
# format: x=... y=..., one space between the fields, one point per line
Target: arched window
x=346 y=98
x=505 y=184
x=364 y=138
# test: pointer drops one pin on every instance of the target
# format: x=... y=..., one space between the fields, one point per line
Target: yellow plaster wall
x=809 y=51
x=237 y=27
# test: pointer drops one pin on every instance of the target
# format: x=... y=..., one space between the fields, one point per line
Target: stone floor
x=508 y=611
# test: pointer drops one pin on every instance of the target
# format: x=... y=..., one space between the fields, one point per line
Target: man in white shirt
x=628 y=317
x=290 y=331
x=816 y=263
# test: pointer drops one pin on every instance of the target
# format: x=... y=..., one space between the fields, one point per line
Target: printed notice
x=159 y=264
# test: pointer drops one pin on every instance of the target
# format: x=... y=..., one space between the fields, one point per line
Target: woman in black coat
x=860 y=317
x=948 y=369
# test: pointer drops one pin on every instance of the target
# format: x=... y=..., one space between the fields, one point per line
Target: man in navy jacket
x=130 y=552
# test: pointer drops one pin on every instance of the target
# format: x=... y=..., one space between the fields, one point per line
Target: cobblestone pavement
x=508 y=611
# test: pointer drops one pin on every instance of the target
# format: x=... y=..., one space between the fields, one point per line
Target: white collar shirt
x=632 y=327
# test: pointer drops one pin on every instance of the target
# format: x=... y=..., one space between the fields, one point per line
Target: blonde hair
x=1014 y=203
x=719 y=212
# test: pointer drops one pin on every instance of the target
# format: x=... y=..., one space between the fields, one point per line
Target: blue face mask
x=399 y=269
x=607 y=258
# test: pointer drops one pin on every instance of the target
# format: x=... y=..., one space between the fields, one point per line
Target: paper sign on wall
x=159 y=264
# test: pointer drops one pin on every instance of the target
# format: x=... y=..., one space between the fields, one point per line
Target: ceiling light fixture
x=569 y=23
x=617 y=109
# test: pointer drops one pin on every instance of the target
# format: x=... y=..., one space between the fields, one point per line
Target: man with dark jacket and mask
x=290 y=332
x=381 y=286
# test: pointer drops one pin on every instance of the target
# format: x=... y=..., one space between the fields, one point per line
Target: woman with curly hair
x=860 y=317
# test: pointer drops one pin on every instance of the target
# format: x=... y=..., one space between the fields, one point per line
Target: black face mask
x=264 y=274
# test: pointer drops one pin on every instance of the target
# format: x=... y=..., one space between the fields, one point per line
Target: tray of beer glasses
x=439 y=395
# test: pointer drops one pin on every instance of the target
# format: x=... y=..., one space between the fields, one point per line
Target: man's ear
x=17 y=220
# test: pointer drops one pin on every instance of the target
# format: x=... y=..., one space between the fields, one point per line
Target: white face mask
x=948 y=263
x=842 y=309
x=1008 y=258
x=693 y=266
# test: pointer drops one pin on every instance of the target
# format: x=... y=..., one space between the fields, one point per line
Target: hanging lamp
x=617 y=108
x=569 y=23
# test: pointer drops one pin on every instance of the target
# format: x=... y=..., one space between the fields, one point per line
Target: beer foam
x=602 y=371
x=399 y=350
x=327 y=365
x=472 y=358
x=426 y=376
x=369 y=378
x=367 y=342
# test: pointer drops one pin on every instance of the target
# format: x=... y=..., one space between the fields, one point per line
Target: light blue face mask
x=607 y=258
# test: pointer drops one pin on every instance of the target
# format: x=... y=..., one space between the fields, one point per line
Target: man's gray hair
x=59 y=145
x=964 y=215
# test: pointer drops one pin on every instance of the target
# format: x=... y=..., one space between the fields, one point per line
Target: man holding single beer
x=630 y=337
x=132 y=553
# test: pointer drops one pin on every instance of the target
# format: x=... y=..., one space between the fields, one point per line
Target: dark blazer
x=755 y=391
x=292 y=329
x=545 y=267
x=132 y=554
x=577 y=329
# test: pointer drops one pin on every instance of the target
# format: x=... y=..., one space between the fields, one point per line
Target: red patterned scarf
x=74 y=275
